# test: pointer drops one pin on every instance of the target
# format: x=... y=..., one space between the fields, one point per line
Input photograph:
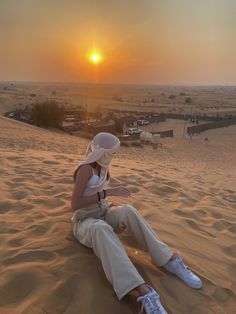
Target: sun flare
x=95 y=57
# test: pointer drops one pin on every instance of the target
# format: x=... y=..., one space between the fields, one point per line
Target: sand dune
x=186 y=191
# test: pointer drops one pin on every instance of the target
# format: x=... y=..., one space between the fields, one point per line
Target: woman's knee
x=99 y=227
x=129 y=210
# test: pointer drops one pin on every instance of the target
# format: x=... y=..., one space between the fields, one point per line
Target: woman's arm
x=78 y=200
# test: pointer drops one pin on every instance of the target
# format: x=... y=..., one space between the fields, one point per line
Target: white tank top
x=95 y=210
x=93 y=180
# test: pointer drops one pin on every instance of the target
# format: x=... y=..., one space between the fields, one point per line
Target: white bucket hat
x=102 y=149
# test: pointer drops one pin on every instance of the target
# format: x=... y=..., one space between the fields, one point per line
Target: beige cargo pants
x=100 y=235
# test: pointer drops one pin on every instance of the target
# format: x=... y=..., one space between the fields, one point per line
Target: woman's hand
x=118 y=191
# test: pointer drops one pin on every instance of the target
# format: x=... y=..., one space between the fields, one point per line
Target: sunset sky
x=141 y=41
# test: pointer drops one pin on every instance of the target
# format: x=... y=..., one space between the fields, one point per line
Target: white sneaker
x=177 y=267
x=151 y=303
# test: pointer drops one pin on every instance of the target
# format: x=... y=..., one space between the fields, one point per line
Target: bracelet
x=105 y=193
x=99 y=197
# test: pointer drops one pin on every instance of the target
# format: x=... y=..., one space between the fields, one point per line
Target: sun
x=95 y=57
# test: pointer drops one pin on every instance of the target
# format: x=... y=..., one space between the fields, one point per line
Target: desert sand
x=185 y=190
x=210 y=100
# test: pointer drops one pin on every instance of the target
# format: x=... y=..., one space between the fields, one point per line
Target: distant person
x=96 y=222
x=186 y=135
x=206 y=140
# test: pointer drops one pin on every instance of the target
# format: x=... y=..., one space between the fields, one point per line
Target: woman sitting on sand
x=96 y=223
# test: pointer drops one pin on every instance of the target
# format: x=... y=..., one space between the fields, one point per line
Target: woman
x=96 y=223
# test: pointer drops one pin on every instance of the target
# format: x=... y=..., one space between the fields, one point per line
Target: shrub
x=48 y=113
x=188 y=100
x=122 y=143
x=136 y=144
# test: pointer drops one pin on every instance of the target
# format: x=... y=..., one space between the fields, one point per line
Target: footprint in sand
x=2 y=172
x=55 y=202
x=173 y=184
x=38 y=230
x=216 y=214
x=221 y=225
x=56 y=213
x=17 y=180
x=223 y=294
x=142 y=172
x=181 y=213
x=200 y=213
x=193 y=225
x=118 y=166
x=64 y=180
x=230 y=250
x=6 y=229
x=232 y=228
x=133 y=189
x=19 y=195
x=192 y=214
x=18 y=287
x=31 y=256
x=115 y=181
x=64 y=158
x=60 y=296
x=5 y=206
x=161 y=191
x=49 y=203
x=51 y=162
x=16 y=242
x=189 y=201
x=168 y=189
x=231 y=198
x=64 y=196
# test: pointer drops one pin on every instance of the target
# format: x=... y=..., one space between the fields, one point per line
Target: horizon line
x=124 y=83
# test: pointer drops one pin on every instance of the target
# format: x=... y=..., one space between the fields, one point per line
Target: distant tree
x=182 y=94
x=19 y=107
x=171 y=96
x=97 y=112
x=111 y=115
x=117 y=98
x=48 y=113
x=188 y=100
x=81 y=112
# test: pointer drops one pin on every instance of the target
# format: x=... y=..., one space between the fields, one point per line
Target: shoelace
x=145 y=299
x=181 y=266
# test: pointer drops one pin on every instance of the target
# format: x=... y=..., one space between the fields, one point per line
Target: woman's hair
x=92 y=165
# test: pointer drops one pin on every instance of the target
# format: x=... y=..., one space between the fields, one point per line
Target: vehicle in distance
x=132 y=131
x=142 y=122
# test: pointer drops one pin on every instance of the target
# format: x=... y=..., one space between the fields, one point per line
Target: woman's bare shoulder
x=84 y=172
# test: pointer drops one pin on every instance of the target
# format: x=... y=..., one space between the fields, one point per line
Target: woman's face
x=106 y=159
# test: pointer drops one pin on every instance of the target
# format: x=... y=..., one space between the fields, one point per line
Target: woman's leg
x=127 y=218
x=119 y=270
